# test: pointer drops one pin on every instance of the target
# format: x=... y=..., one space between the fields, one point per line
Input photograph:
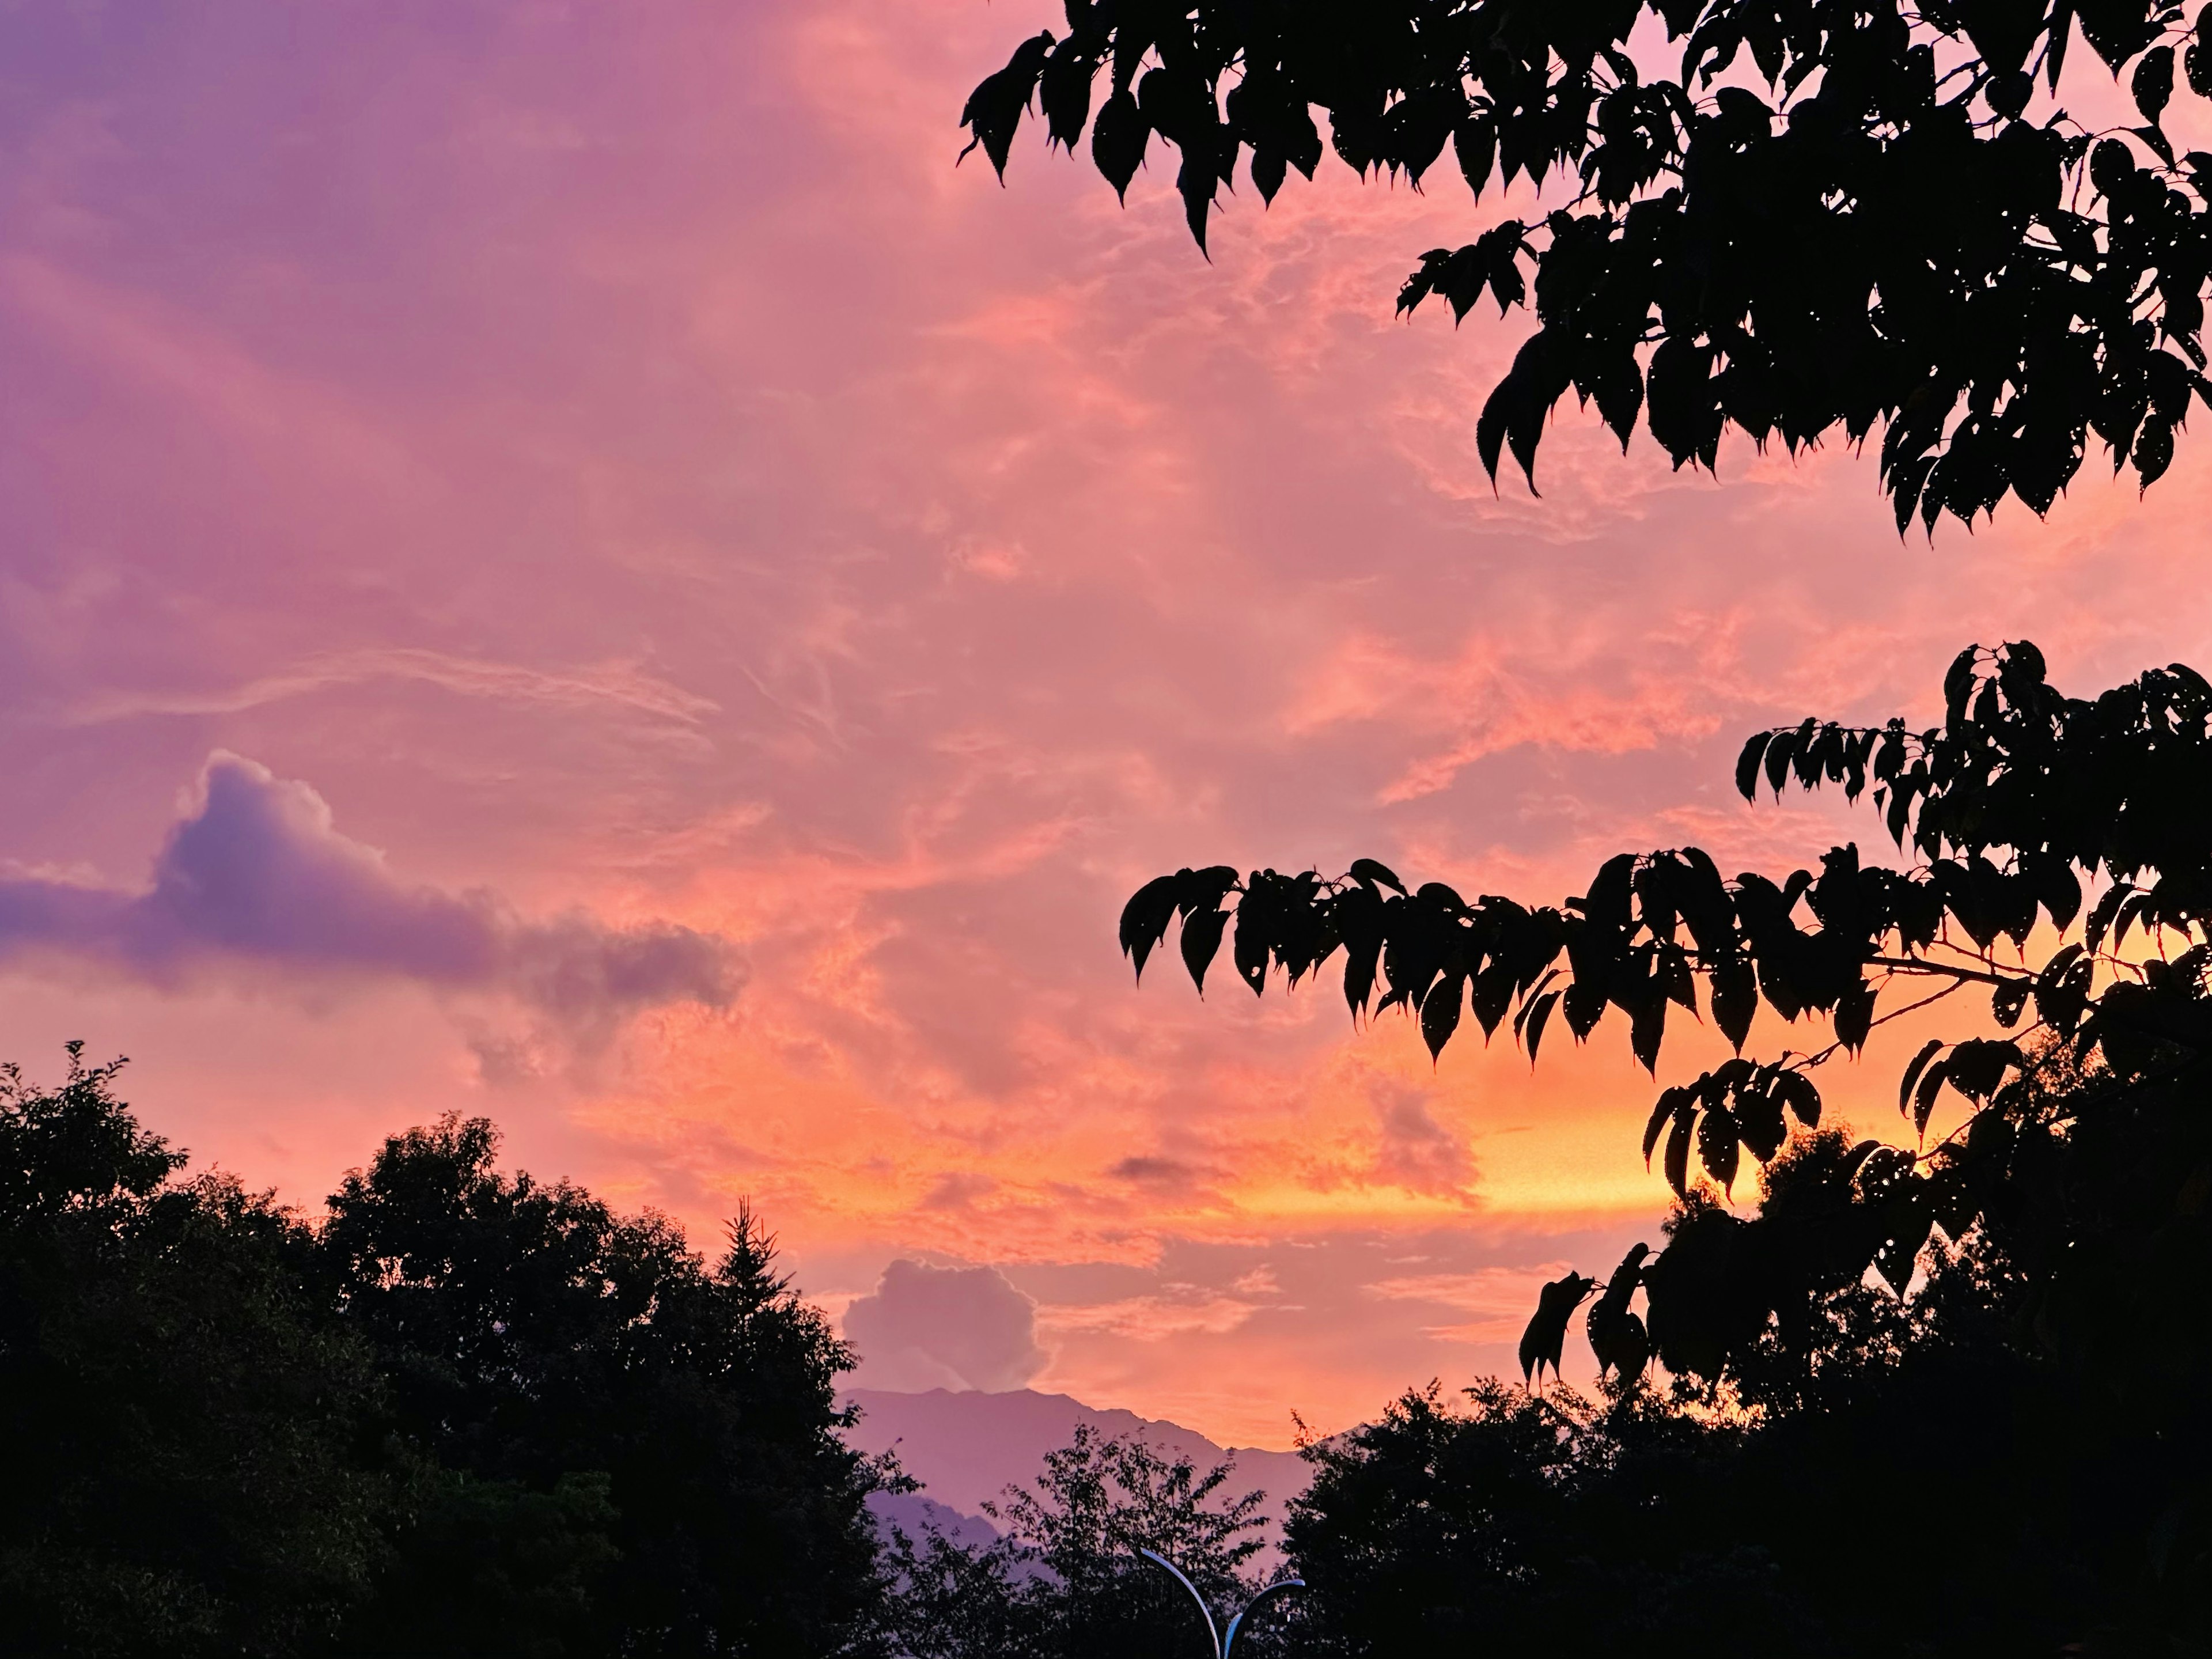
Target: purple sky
x=563 y=560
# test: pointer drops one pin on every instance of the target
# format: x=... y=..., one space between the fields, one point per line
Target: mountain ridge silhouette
x=967 y=1446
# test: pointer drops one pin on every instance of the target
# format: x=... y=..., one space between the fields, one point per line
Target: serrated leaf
x=1854 y=1016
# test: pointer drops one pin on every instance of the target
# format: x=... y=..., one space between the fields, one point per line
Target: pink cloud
x=624 y=466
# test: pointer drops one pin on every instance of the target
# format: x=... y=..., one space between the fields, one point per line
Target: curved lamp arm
x=1205 y=1613
x=1279 y=1588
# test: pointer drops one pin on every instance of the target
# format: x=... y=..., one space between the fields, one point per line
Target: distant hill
x=969 y=1446
x=915 y=1514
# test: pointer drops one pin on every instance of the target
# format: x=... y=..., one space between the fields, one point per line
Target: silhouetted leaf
x=1616 y=1335
x=1855 y=1016
x=1547 y=1334
x=1540 y=1010
x=1201 y=938
x=1717 y=1142
x=1677 y=1162
x=2151 y=85
x=1670 y=1102
x=1368 y=870
x=1440 y=1013
x=1929 y=1050
x=1748 y=763
x=1145 y=919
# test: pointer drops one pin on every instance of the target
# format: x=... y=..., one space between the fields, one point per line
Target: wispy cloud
x=534 y=449
x=617 y=686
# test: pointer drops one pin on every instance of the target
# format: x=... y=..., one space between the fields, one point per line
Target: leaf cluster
x=2012 y=810
x=1823 y=216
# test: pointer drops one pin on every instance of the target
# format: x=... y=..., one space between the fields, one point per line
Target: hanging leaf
x=1201 y=938
x=1546 y=1336
x=1145 y=919
x=1677 y=1165
x=1540 y=1010
x=1440 y=1013
x=1924 y=1098
x=1670 y=1102
x=1717 y=1143
x=1616 y=1335
x=1929 y=1050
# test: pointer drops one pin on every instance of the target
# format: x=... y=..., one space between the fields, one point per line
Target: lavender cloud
x=257 y=874
x=945 y=1327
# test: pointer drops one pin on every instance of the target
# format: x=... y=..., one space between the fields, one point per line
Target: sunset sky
x=562 y=561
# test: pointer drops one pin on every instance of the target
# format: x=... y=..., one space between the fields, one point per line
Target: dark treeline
x=1880 y=1474
x=469 y=1413
x=1891 y=1475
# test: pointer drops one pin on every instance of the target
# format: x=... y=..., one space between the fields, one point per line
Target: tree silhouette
x=1065 y=1580
x=2019 y=1308
x=472 y=1413
x=2085 y=1142
x=658 y=1434
x=1823 y=214
x=1927 y=1488
x=182 y=1471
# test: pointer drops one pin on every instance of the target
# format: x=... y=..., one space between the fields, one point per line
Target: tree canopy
x=1796 y=218
x=1928 y=1485
x=185 y=1465
x=1064 y=1579
x=468 y=1413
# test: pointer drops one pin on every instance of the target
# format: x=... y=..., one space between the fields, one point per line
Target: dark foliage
x=1899 y=1431
x=1822 y=214
x=1065 y=1581
x=532 y=1337
x=183 y=1425
x=472 y=1414
x=2083 y=1163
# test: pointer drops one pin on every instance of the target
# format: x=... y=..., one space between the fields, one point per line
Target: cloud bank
x=257 y=875
x=538 y=443
x=943 y=1327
